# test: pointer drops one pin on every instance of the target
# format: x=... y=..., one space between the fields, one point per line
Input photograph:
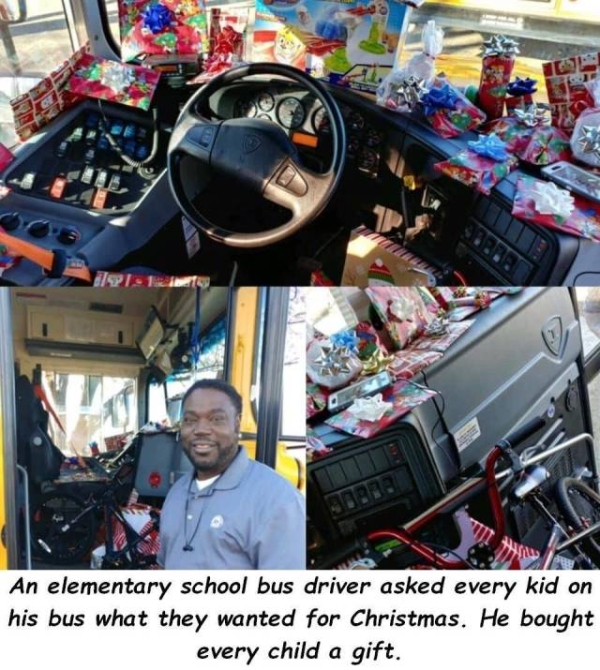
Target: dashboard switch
x=58 y=186
x=28 y=181
x=68 y=235
x=39 y=228
x=99 y=199
x=10 y=221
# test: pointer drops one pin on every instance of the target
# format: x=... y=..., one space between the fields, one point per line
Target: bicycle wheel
x=51 y=541
x=580 y=507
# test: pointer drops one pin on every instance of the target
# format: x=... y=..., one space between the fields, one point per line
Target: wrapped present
x=315 y=448
x=520 y=93
x=367 y=417
x=316 y=400
x=440 y=338
x=374 y=260
x=529 y=136
x=566 y=85
x=585 y=141
x=409 y=362
x=6 y=156
x=130 y=85
x=499 y=54
x=160 y=27
x=449 y=111
x=48 y=98
x=548 y=205
x=369 y=340
x=402 y=311
x=121 y=279
x=330 y=365
x=482 y=165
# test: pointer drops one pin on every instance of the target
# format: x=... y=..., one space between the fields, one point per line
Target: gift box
x=520 y=94
x=482 y=165
x=160 y=28
x=383 y=409
x=544 y=203
x=373 y=260
x=448 y=110
x=6 y=157
x=48 y=98
x=121 y=279
x=410 y=362
x=402 y=312
x=585 y=141
x=316 y=400
x=566 y=85
x=498 y=62
x=443 y=338
x=130 y=85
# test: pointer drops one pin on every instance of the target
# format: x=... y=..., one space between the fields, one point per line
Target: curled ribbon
x=345 y=338
x=334 y=360
x=520 y=87
x=550 y=199
x=439 y=98
x=500 y=45
x=369 y=409
x=117 y=77
x=532 y=117
x=156 y=17
x=589 y=141
x=490 y=146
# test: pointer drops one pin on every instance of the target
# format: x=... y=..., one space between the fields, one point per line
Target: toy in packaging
x=162 y=27
x=352 y=44
x=566 y=84
x=548 y=205
x=47 y=99
x=498 y=55
x=127 y=84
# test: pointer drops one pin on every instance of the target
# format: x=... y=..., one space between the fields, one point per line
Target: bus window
x=90 y=408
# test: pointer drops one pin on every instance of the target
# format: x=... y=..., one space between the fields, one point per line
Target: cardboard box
x=373 y=260
x=351 y=44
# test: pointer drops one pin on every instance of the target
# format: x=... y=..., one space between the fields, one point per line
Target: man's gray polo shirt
x=250 y=518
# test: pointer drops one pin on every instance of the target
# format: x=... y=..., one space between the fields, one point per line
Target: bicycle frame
x=490 y=481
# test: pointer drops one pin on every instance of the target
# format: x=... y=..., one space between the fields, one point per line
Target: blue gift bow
x=345 y=338
x=490 y=146
x=520 y=86
x=156 y=17
x=439 y=98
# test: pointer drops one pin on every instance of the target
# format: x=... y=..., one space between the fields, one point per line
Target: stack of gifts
x=416 y=326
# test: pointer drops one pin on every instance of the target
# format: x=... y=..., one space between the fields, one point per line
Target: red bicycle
x=574 y=531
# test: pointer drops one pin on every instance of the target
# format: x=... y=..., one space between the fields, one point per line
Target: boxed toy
x=349 y=43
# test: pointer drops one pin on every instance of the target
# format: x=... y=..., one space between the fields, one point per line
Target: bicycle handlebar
x=524 y=432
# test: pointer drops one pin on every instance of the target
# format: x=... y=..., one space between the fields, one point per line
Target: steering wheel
x=257 y=153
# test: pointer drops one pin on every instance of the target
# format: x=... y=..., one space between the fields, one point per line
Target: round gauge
x=246 y=108
x=367 y=160
x=290 y=113
x=374 y=138
x=355 y=121
x=265 y=102
x=320 y=121
x=264 y=116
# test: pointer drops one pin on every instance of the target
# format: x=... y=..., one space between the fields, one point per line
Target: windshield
x=52 y=30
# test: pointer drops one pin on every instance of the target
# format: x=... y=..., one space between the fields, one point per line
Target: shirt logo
x=217 y=521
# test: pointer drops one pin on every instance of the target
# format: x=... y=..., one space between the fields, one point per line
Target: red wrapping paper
x=495 y=77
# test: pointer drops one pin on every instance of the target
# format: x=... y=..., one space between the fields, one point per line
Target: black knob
x=68 y=235
x=39 y=228
x=10 y=221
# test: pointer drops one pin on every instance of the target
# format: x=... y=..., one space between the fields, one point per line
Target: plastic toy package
x=351 y=44
x=164 y=27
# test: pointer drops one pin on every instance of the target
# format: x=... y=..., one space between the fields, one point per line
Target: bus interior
x=532 y=353
x=355 y=166
x=92 y=397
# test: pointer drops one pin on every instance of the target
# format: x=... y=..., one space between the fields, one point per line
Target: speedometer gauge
x=290 y=113
x=265 y=102
x=320 y=121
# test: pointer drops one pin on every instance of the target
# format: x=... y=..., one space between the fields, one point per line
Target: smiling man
x=231 y=512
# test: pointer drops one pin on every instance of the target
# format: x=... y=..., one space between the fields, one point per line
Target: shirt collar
x=229 y=479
